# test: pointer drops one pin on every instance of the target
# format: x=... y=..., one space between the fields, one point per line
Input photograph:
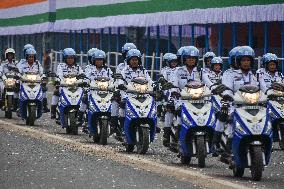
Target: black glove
x=83 y=84
x=121 y=87
x=80 y=76
x=56 y=83
x=167 y=86
x=228 y=98
x=175 y=94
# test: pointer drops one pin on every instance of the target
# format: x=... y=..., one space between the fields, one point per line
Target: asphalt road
x=26 y=162
x=273 y=176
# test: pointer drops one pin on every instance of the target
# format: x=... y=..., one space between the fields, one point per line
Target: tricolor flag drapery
x=35 y=16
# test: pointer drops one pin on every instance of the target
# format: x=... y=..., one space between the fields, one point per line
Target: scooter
x=99 y=111
x=140 y=116
x=69 y=102
x=31 y=96
x=10 y=80
x=252 y=132
x=275 y=107
x=198 y=123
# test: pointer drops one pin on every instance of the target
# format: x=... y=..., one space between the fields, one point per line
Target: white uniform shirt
x=63 y=69
x=266 y=79
x=182 y=76
x=92 y=72
x=25 y=67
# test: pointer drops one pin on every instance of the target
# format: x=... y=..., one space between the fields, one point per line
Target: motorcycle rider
x=66 y=68
x=32 y=65
x=271 y=73
x=214 y=75
x=117 y=97
x=207 y=57
x=165 y=71
x=132 y=71
x=26 y=47
x=169 y=75
x=182 y=75
x=5 y=67
x=93 y=71
x=126 y=47
x=240 y=77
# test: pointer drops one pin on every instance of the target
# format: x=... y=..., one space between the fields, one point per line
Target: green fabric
x=142 y=7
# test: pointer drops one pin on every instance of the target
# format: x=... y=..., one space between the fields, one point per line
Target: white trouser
x=114 y=108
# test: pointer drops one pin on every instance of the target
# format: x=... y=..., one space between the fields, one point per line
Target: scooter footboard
x=130 y=126
x=240 y=147
x=93 y=118
x=187 y=134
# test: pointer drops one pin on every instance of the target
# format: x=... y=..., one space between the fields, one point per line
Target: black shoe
x=53 y=112
x=45 y=109
x=166 y=137
x=216 y=143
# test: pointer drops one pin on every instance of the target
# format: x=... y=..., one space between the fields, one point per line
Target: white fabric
x=114 y=108
x=169 y=117
x=54 y=100
x=242 y=14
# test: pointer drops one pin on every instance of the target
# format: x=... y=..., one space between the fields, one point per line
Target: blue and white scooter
x=198 y=123
x=275 y=107
x=31 y=96
x=69 y=101
x=99 y=111
x=252 y=134
x=140 y=116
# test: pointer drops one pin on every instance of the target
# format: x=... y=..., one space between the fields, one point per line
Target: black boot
x=45 y=107
x=166 y=136
x=53 y=112
x=216 y=143
x=226 y=156
x=15 y=104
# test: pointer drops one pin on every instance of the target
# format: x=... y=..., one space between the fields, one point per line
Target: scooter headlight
x=10 y=82
x=31 y=77
x=239 y=129
x=195 y=93
x=140 y=88
x=70 y=81
x=251 y=98
x=102 y=85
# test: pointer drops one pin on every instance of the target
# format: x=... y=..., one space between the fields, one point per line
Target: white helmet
x=9 y=50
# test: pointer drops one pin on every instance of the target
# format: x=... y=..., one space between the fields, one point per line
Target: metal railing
x=113 y=59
